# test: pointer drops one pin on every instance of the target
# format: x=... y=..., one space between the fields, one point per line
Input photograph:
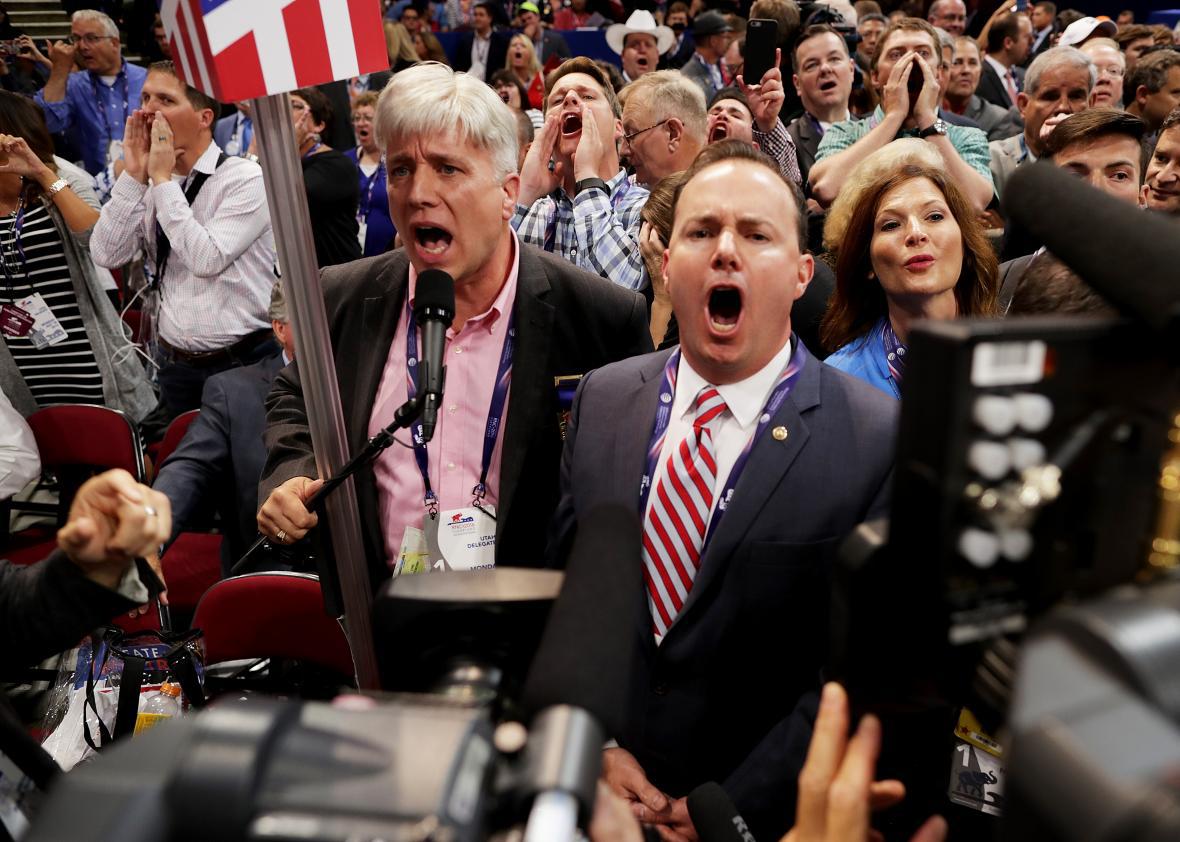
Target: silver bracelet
x=57 y=186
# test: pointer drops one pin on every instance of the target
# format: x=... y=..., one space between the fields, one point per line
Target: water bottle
x=159 y=708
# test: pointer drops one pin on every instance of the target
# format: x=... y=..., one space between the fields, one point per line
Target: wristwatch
x=939 y=127
x=587 y=183
x=57 y=186
x=250 y=156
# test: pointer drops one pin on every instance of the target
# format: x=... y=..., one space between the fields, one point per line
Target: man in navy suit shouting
x=748 y=461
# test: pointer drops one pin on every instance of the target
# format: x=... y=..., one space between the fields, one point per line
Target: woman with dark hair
x=913 y=249
x=330 y=180
x=63 y=340
x=508 y=85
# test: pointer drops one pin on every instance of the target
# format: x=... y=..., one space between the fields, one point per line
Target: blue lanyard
x=17 y=225
x=495 y=411
x=367 y=185
x=100 y=101
x=894 y=355
x=782 y=388
x=242 y=132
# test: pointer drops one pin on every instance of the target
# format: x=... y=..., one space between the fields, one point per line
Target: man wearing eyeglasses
x=1111 y=65
x=92 y=106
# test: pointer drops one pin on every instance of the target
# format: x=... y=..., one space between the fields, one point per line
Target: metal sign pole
x=291 y=223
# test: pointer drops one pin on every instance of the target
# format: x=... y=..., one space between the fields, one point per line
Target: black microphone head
x=1127 y=254
x=588 y=652
x=715 y=816
x=434 y=296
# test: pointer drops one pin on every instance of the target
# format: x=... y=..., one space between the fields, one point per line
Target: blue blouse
x=865 y=358
x=373 y=208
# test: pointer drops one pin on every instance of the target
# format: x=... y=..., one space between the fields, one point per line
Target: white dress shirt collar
x=745 y=398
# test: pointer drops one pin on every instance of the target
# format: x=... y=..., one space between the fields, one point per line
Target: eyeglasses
x=88 y=39
x=638 y=132
x=362 y=118
x=1114 y=70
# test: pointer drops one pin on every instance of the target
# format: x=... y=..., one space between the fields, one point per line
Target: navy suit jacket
x=730 y=693
x=223 y=131
x=219 y=461
x=497 y=52
x=992 y=89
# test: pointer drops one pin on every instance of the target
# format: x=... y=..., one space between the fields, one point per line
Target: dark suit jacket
x=219 y=460
x=807 y=139
x=677 y=58
x=992 y=88
x=744 y=657
x=497 y=52
x=567 y=322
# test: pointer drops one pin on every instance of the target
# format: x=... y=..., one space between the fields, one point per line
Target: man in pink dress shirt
x=451 y=153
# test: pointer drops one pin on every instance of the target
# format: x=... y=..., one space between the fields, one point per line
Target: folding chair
x=269 y=619
x=77 y=441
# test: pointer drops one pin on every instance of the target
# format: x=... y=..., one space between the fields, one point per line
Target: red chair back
x=174 y=434
x=85 y=435
x=271 y=615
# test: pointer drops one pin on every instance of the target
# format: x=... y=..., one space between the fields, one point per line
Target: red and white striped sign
x=242 y=49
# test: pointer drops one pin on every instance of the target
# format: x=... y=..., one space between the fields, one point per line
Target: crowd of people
x=776 y=238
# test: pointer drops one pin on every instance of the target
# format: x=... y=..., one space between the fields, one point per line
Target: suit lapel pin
x=779 y=433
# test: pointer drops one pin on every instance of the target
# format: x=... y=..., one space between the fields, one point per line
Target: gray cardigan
x=125 y=383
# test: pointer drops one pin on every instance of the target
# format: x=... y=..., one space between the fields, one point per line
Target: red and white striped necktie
x=678 y=517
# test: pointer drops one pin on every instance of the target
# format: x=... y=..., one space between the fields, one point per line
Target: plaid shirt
x=971 y=144
x=594 y=231
x=781 y=146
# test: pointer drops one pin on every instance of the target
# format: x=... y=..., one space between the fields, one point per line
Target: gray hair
x=1054 y=58
x=277 y=311
x=945 y=39
x=92 y=16
x=430 y=98
x=668 y=93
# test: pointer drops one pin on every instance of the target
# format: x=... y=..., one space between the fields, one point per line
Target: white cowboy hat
x=640 y=21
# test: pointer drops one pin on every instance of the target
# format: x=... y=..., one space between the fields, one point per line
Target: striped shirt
x=594 y=230
x=221 y=269
x=66 y=372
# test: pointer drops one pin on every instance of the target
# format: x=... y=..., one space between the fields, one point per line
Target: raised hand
x=767 y=97
x=61 y=54
x=589 y=150
x=162 y=157
x=536 y=179
x=17 y=158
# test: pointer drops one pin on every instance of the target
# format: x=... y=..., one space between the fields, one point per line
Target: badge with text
x=977 y=768
x=46 y=330
x=15 y=321
x=467 y=537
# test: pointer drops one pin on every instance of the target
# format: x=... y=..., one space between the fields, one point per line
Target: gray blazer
x=998 y=123
x=1006 y=156
x=125 y=384
x=749 y=645
x=696 y=72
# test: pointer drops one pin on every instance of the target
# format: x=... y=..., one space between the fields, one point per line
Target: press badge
x=467 y=537
x=232 y=147
x=46 y=330
x=14 y=321
x=362 y=229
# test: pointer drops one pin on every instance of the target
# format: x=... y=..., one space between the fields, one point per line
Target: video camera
x=1028 y=568
x=472 y=656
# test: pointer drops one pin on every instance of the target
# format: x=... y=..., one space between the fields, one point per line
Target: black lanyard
x=163 y=246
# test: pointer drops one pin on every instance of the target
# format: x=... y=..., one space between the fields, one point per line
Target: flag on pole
x=242 y=49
